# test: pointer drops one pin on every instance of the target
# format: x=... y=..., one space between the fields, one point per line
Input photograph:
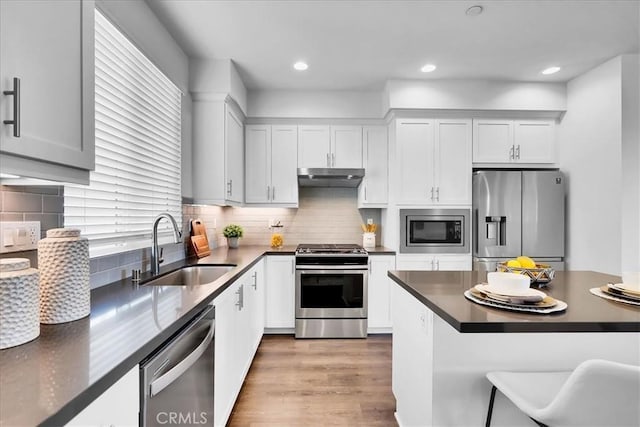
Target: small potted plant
x=232 y=232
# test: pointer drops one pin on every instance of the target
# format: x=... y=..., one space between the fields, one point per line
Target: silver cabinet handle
x=365 y=192
x=370 y=267
x=255 y=280
x=273 y=193
x=437 y=194
x=512 y=152
x=438 y=264
x=229 y=188
x=333 y=160
x=240 y=293
x=433 y=266
x=328 y=161
x=16 y=107
x=518 y=152
x=174 y=373
x=432 y=194
x=293 y=267
x=267 y=192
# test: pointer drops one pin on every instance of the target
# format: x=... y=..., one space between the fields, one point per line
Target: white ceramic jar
x=19 y=302
x=63 y=261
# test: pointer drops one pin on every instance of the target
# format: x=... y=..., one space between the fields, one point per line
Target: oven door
x=323 y=292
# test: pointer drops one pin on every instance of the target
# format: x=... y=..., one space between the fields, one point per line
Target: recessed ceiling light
x=300 y=66
x=474 y=10
x=551 y=70
x=428 y=68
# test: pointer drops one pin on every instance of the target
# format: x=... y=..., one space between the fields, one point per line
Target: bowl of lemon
x=540 y=274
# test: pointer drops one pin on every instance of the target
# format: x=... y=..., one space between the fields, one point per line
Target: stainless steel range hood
x=329 y=177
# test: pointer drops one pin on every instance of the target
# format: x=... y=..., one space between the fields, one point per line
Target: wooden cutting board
x=199 y=240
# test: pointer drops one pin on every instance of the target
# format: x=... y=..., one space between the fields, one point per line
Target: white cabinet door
x=493 y=141
x=414 y=156
x=374 y=190
x=49 y=47
x=229 y=348
x=452 y=262
x=453 y=169
x=254 y=284
x=284 y=164
x=124 y=395
x=412 y=359
x=314 y=144
x=420 y=262
x=280 y=292
x=379 y=297
x=534 y=141
x=258 y=167
x=346 y=147
x=234 y=168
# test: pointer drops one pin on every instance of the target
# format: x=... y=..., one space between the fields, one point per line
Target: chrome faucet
x=156 y=259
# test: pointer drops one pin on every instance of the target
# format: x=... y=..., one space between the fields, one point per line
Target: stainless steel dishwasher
x=177 y=379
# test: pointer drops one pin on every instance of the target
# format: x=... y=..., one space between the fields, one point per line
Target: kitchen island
x=443 y=344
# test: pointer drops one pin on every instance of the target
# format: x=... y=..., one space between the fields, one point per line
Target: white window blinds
x=138 y=136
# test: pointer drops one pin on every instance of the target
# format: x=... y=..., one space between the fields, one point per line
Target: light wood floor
x=318 y=383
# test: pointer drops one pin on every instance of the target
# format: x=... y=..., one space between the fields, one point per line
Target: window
x=138 y=137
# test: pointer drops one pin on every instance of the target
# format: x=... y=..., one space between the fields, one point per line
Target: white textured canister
x=19 y=302
x=63 y=261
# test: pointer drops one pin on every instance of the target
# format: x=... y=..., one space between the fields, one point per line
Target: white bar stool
x=597 y=393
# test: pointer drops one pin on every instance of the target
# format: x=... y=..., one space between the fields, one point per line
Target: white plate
x=528 y=294
x=626 y=287
x=560 y=306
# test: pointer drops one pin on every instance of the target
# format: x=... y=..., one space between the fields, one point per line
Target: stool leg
x=490 y=411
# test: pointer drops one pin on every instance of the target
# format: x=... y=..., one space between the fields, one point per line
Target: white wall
x=474 y=95
x=315 y=104
x=217 y=76
x=135 y=19
x=630 y=225
x=589 y=152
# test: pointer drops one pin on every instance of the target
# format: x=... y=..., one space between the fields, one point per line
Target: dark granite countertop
x=380 y=250
x=49 y=380
x=442 y=292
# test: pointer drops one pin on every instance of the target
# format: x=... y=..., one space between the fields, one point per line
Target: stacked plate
x=527 y=299
x=621 y=292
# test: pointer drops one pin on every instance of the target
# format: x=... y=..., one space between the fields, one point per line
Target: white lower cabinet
x=238 y=334
x=412 y=359
x=379 y=297
x=280 y=293
x=124 y=395
x=434 y=262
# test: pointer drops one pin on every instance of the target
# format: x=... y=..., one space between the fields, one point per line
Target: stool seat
x=597 y=393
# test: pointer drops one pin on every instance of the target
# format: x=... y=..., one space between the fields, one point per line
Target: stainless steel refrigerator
x=518 y=213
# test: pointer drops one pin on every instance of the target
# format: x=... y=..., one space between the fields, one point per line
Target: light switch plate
x=18 y=236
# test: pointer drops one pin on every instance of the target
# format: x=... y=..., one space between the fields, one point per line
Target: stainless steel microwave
x=434 y=230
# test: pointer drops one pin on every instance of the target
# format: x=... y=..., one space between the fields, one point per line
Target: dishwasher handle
x=174 y=373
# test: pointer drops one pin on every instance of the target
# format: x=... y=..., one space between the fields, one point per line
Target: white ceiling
x=358 y=45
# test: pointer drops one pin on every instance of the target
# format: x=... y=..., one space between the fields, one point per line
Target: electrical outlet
x=370 y=221
x=18 y=236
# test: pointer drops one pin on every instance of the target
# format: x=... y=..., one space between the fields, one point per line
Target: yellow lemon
x=514 y=263
x=526 y=262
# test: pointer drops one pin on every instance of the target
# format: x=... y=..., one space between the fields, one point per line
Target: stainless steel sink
x=191 y=276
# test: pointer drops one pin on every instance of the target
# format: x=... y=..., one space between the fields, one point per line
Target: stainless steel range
x=331 y=291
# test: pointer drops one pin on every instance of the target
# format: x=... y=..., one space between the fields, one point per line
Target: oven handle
x=331 y=267
x=174 y=373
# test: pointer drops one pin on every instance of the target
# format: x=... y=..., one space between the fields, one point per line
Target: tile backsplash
x=324 y=215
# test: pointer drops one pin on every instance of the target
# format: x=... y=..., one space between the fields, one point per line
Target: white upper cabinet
x=414 y=156
x=346 y=147
x=433 y=161
x=513 y=141
x=48 y=46
x=314 y=146
x=453 y=174
x=218 y=151
x=374 y=189
x=271 y=164
x=535 y=141
x=329 y=146
x=234 y=147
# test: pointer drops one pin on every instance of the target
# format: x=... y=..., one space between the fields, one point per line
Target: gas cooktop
x=331 y=249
